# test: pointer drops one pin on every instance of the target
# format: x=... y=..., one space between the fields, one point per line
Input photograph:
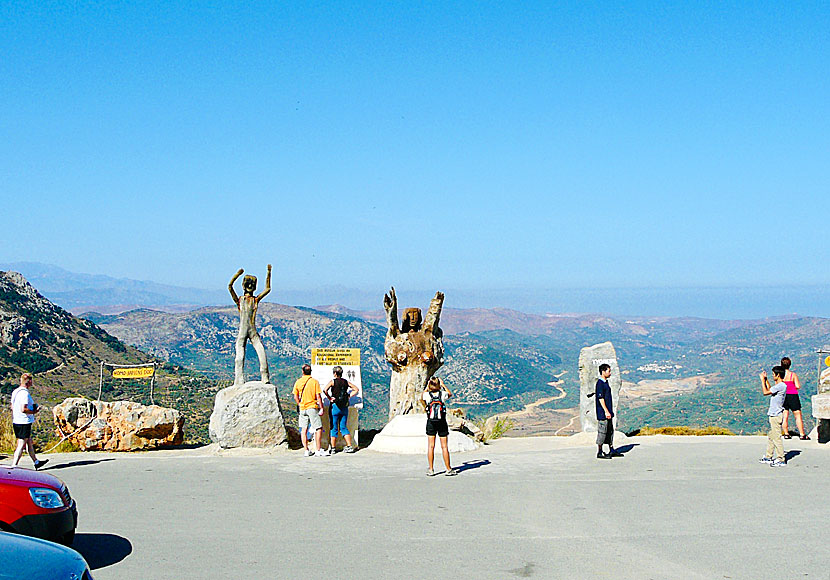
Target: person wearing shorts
x=776 y=392
x=308 y=397
x=605 y=414
x=438 y=393
x=338 y=392
x=791 y=402
x=23 y=417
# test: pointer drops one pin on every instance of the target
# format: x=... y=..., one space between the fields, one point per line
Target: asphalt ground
x=672 y=507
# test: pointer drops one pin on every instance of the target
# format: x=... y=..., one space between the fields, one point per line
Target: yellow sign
x=134 y=373
x=827 y=361
x=328 y=357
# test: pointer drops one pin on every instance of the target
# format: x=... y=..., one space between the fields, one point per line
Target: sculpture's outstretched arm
x=434 y=313
x=390 y=304
x=230 y=287
x=267 y=286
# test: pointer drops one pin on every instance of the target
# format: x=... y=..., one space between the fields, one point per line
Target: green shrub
x=682 y=430
x=495 y=429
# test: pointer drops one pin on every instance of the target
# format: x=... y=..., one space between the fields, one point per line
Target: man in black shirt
x=605 y=414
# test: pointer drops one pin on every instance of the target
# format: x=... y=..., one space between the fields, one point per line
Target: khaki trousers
x=775 y=443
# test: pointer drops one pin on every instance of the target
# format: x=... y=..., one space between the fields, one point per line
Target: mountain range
x=678 y=370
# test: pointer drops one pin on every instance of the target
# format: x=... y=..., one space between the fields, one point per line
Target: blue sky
x=426 y=145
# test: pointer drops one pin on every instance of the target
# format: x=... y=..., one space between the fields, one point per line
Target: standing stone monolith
x=415 y=350
x=248 y=414
x=590 y=358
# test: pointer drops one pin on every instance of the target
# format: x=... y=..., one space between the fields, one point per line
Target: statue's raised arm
x=434 y=313
x=390 y=304
x=267 y=285
x=230 y=286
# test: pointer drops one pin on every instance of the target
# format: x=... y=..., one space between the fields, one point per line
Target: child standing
x=776 y=412
x=435 y=398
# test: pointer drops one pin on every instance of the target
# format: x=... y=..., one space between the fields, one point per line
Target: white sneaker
x=348 y=449
x=778 y=463
x=322 y=453
x=308 y=453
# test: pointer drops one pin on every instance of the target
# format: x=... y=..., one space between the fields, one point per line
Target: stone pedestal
x=405 y=434
x=590 y=358
x=247 y=415
x=821 y=412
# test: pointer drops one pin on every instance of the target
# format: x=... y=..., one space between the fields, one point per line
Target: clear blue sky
x=424 y=145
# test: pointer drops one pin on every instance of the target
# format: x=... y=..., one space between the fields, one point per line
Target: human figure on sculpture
x=605 y=414
x=247 y=306
x=791 y=401
x=776 y=393
x=338 y=391
x=307 y=395
x=435 y=399
x=24 y=410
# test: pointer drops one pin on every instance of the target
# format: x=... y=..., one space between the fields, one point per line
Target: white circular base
x=406 y=435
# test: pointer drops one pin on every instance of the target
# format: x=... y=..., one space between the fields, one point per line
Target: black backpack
x=436 y=410
x=340 y=393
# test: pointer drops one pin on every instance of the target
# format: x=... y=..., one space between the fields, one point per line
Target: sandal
x=805 y=437
x=451 y=472
x=786 y=436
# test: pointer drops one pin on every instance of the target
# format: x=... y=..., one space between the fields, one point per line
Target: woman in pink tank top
x=791 y=401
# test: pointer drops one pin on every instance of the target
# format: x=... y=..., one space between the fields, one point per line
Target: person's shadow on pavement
x=790 y=454
x=625 y=448
x=77 y=463
x=472 y=465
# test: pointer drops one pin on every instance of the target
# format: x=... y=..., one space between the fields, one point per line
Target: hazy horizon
x=704 y=302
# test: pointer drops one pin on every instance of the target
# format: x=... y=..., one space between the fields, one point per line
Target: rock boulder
x=119 y=425
x=247 y=415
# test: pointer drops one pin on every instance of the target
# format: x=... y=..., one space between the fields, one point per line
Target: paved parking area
x=673 y=507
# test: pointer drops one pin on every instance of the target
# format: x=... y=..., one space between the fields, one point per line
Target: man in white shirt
x=23 y=415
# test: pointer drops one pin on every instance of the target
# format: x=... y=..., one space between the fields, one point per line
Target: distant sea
x=706 y=302
x=725 y=303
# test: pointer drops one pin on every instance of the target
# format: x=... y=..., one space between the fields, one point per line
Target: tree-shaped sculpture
x=415 y=350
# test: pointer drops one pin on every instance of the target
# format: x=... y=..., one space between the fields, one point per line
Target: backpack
x=340 y=394
x=436 y=410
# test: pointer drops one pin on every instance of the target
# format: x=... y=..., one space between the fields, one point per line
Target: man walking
x=23 y=416
x=307 y=394
x=605 y=414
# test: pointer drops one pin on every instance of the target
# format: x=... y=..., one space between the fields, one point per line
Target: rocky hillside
x=64 y=354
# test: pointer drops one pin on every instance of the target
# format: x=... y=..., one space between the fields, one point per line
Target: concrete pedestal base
x=821 y=412
x=405 y=434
